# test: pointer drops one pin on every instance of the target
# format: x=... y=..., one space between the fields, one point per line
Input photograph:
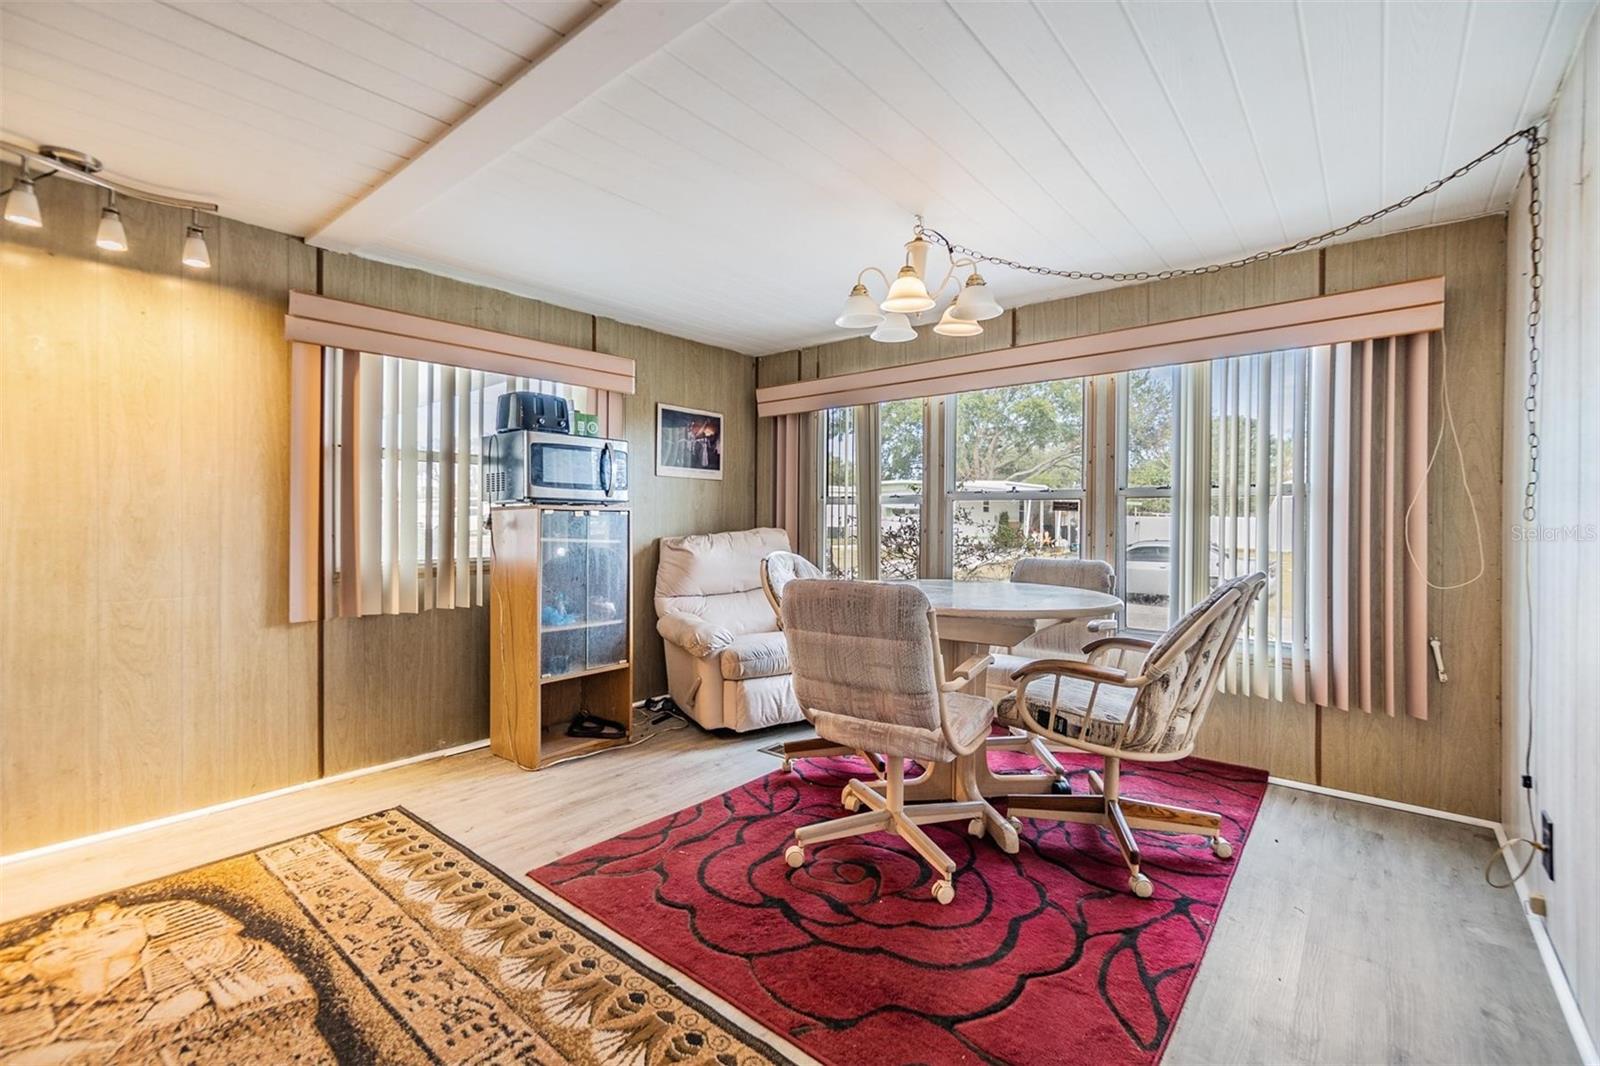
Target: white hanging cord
x=1447 y=422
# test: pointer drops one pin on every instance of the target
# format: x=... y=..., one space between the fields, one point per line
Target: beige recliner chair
x=727 y=662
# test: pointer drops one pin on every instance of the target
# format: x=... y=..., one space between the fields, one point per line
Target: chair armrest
x=1128 y=643
x=966 y=672
x=1105 y=675
x=1118 y=649
x=696 y=636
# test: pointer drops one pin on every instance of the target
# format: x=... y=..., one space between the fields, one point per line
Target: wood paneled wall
x=1449 y=761
x=146 y=666
x=1552 y=568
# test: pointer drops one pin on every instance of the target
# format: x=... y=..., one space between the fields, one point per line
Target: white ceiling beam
x=604 y=47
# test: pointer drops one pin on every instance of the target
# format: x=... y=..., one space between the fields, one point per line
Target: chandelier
x=908 y=296
x=21 y=205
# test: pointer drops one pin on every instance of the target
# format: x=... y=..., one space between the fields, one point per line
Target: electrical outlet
x=1547 y=837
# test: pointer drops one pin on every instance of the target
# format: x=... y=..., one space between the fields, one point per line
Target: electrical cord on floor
x=664 y=721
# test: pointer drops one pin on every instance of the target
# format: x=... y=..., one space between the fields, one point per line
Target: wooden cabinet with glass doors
x=560 y=635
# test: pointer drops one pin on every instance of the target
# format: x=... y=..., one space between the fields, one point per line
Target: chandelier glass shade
x=894 y=329
x=860 y=311
x=909 y=296
x=975 y=303
x=951 y=326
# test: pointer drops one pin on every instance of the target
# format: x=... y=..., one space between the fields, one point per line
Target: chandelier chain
x=1532 y=141
x=1530 y=135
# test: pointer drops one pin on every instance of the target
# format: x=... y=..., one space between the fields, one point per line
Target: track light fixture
x=48 y=161
x=908 y=295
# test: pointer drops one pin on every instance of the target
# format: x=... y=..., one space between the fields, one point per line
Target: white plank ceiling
x=727 y=186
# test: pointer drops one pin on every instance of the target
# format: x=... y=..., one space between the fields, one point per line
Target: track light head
x=22 y=206
x=195 y=252
x=111 y=237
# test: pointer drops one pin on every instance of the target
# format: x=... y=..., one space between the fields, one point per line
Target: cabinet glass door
x=607 y=606
x=564 y=592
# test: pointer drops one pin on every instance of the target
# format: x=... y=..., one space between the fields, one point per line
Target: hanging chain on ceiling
x=1530 y=135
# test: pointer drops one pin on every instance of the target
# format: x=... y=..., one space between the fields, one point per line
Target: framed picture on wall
x=688 y=442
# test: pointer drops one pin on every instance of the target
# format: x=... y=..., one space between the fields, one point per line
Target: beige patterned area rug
x=379 y=940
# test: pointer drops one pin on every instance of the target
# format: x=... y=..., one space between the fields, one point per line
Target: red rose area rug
x=1044 y=956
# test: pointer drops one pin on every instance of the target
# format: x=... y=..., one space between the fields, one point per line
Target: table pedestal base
x=969 y=777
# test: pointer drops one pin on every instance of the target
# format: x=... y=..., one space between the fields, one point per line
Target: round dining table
x=971 y=616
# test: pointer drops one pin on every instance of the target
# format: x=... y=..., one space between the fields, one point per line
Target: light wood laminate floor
x=1352 y=933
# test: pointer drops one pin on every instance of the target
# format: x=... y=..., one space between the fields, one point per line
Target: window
x=1259 y=408
x=900 y=442
x=1145 y=531
x=1017 y=485
x=841 y=520
x=966 y=485
x=415 y=479
x=872 y=490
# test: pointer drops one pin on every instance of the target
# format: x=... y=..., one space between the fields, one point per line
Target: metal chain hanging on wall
x=1530 y=404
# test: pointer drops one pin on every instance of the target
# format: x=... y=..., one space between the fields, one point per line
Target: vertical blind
x=404 y=488
x=1304 y=464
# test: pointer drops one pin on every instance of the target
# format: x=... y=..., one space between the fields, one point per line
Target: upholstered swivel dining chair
x=1063 y=639
x=867 y=670
x=778 y=570
x=1133 y=700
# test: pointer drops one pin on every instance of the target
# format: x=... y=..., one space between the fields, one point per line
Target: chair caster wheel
x=1140 y=886
x=1016 y=823
x=849 y=801
x=944 y=892
x=795 y=856
x=1221 y=848
x=975 y=827
x=788 y=766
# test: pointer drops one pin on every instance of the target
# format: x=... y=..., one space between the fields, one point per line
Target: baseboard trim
x=1568 y=1002
x=1378 y=801
x=228 y=805
x=1588 y=1054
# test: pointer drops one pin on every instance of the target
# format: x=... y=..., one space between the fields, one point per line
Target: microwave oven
x=525 y=465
